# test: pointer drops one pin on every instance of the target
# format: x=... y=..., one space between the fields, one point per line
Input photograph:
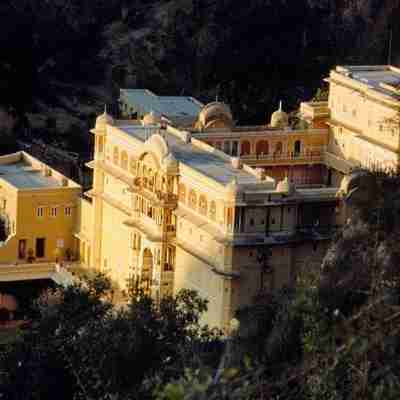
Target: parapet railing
x=306 y=157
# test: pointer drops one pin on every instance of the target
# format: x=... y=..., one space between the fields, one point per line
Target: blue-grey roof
x=207 y=163
x=374 y=76
x=144 y=101
x=23 y=176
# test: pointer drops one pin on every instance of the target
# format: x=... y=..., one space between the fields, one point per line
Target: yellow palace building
x=199 y=202
x=169 y=211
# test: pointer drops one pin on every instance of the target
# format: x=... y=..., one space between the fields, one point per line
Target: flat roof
x=24 y=172
x=146 y=101
x=384 y=79
x=207 y=163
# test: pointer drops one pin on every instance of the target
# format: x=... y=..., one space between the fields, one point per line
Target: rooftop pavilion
x=383 y=79
x=179 y=109
x=24 y=172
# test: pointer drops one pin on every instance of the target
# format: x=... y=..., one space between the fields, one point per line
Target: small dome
x=151 y=119
x=279 y=118
x=103 y=120
x=284 y=186
x=215 y=115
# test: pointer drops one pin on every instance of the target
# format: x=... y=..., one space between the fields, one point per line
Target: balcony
x=308 y=157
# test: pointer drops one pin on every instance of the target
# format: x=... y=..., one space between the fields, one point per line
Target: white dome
x=284 y=186
x=103 y=120
x=215 y=111
x=279 y=119
x=151 y=119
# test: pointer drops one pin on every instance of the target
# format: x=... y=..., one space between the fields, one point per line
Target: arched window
x=213 y=211
x=132 y=166
x=124 y=160
x=245 y=148
x=182 y=193
x=278 y=148
x=297 y=148
x=193 y=199
x=101 y=144
x=262 y=147
x=116 y=155
x=203 y=205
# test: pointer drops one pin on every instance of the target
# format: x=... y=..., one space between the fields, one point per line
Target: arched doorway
x=262 y=147
x=147 y=271
x=245 y=148
x=297 y=148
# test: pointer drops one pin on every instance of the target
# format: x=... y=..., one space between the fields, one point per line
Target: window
x=203 y=205
x=132 y=166
x=193 y=199
x=39 y=212
x=116 y=156
x=245 y=148
x=227 y=147
x=124 y=160
x=251 y=222
x=297 y=148
x=182 y=193
x=40 y=247
x=262 y=147
x=101 y=144
x=235 y=148
x=68 y=211
x=53 y=211
x=278 y=148
x=22 y=249
x=213 y=210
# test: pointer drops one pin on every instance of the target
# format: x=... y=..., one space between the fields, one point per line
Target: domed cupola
x=279 y=118
x=215 y=115
x=103 y=120
x=285 y=187
x=151 y=119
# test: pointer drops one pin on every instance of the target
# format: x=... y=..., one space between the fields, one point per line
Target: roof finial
x=105 y=108
x=280 y=105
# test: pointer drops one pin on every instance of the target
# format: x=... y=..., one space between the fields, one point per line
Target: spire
x=280 y=105
x=105 y=108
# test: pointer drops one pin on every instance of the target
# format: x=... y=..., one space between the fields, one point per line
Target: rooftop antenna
x=390 y=46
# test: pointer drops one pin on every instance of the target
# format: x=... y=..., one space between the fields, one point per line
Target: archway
x=297 y=148
x=262 y=147
x=147 y=271
x=245 y=148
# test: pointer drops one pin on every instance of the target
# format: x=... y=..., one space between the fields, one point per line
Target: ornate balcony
x=315 y=156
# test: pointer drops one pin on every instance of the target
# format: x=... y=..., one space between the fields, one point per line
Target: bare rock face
x=360 y=189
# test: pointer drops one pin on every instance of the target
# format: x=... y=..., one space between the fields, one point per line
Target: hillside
x=62 y=60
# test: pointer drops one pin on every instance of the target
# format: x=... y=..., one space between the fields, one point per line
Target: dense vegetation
x=333 y=336
x=62 y=59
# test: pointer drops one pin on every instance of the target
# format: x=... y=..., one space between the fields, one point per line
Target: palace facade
x=200 y=202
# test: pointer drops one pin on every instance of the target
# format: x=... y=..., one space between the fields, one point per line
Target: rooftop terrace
x=199 y=156
x=384 y=79
x=25 y=172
